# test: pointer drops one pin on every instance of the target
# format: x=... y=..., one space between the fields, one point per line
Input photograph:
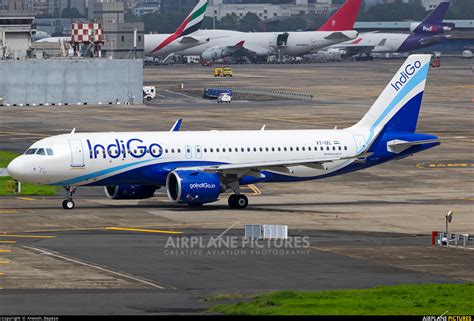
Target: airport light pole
x=449 y=219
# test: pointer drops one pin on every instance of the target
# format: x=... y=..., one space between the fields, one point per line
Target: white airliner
x=224 y=43
x=196 y=167
x=162 y=45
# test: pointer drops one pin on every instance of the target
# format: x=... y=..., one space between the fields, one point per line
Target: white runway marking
x=95 y=267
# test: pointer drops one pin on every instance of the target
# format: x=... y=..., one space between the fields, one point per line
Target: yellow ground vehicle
x=223 y=72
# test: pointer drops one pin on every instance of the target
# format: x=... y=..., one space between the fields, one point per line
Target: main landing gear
x=68 y=203
x=238 y=201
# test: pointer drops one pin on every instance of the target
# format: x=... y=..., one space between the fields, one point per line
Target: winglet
x=240 y=44
x=177 y=125
x=73 y=130
x=344 y=18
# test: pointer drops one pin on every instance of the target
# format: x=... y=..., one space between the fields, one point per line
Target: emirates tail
x=344 y=18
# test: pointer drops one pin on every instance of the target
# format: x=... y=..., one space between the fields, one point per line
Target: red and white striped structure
x=85 y=33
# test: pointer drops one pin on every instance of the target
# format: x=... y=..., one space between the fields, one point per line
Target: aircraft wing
x=337 y=36
x=242 y=169
x=189 y=40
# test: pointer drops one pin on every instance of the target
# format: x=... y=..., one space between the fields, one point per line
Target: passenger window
x=279 y=149
x=205 y=150
x=303 y=149
x=297 y=148
x=172 y=150
x=242 y=149
x=322 y=148
x=345 y=147
x=266 y=149
x=273 y=149
x=291 y=149
x=340 y=148
x=236 y=149
x=284 y=148
x=179 y=151
x=212 y=150
x=255 y=149
x=261 y=149
x=334 y=148
x=166 y=151
x=217 y=150
x=327 y=147
x=223 y=150
x=309 y=148
x=31 y=151
x=49 y=151
x=40 y=151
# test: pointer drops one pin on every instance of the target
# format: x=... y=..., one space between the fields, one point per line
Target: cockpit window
x=49 y=151
x=31 y=151
x=40 y=151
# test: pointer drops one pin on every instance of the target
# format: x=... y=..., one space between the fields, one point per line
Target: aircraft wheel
x=239 y=201
x=68 y=204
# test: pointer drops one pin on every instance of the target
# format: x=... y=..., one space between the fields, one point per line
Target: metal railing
x=449 y=240
x=270 y=92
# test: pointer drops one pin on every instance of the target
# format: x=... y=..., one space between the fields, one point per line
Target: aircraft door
x=282 y=39
x=189 y=152
x=198 y=152
x=77 y=153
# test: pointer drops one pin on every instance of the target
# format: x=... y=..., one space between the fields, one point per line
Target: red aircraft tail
x=344 y=18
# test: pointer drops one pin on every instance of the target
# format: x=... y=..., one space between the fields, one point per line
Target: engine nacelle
x=213 y=54
x=434 y=28
x=129 y=192
x=193 y=187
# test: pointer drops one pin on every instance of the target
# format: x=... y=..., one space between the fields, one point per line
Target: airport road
x=366 y=228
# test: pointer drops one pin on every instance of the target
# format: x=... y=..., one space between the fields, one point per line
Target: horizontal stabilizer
x=397 y=146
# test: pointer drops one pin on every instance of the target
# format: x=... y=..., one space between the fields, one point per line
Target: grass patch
x=229 y=296
x=6 y=158
x=26 y=188
x=427 y=299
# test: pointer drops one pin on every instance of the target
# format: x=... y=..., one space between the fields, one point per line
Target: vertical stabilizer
x=398 y=106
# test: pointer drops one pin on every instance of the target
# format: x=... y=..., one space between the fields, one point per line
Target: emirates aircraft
x=224 y=43
x=195 y=167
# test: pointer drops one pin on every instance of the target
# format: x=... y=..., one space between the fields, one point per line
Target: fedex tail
x=433 y=23
x=344 y=18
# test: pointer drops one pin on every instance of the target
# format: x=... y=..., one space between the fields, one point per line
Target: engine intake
x=193 y=187
x=129 y=192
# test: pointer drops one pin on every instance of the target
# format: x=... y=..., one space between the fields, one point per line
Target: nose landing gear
x=68 y=203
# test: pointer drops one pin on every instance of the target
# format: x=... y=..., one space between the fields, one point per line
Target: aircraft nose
x=16 y=169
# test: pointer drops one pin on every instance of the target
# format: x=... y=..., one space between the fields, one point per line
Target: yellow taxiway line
x=445 y=165
x=4 y=262
x=2 y=273
x=26 y=198
x=28 y=236
x=140 y=230
x=7 y=241
x=5 y=251
x=8 y=211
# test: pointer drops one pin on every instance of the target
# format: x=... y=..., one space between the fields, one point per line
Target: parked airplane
x=162 y=45
x=196 y=167
x=223 y=43
x=184 y=37
x=424 y=34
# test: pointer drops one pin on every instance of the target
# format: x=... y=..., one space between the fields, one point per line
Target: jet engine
x=214 y=54
x=193 y=187
x=130 y=192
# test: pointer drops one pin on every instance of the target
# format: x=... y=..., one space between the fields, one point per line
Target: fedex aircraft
x=224 y=43
x=423 y=34
x=196 y=167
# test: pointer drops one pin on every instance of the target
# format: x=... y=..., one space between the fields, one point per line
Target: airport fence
x=450 y=240
x=270 y=92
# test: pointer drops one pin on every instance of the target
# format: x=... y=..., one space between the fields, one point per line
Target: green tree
x=394 y=12
x=229 y=22
x=461 y=9
x=250 y=22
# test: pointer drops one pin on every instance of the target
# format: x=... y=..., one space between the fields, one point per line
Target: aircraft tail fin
x=398 y=106
x=344 y=18
x=438 y=14
x=193 y=21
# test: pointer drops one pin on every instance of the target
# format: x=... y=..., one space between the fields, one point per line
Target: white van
x=149 y=92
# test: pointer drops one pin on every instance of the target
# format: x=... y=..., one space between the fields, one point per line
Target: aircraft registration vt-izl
x=195 y=167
